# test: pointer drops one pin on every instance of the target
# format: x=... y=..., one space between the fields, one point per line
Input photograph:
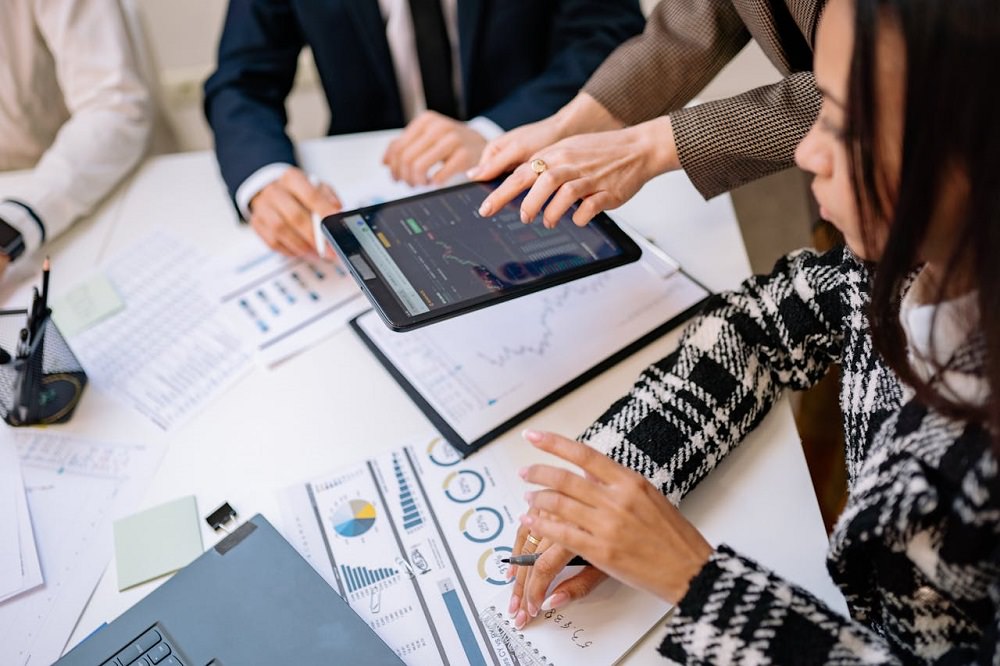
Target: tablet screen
x=436 y=251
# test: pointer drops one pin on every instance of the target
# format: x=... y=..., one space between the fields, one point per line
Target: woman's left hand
x=614 y=518
x=601 y=170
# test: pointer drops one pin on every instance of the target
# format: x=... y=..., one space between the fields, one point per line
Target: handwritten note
x=601 y=628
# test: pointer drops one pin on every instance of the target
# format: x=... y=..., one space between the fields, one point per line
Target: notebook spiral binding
x=503 y=628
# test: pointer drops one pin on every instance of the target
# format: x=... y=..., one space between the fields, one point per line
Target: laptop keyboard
x=148 y=649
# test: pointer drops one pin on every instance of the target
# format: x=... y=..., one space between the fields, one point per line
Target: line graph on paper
x=547 y=320
x=482 y=369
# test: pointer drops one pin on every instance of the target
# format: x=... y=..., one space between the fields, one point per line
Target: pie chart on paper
x=354 y=518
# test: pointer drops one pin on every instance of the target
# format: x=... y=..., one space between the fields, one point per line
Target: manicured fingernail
x=472 y=173
x=524 y=217
x=557 y=600
x=523 y=472
x=515 y=603
x=527 y=520
x=484 y=210
x=520 y=620
x=532 y=435
x=532 y=609
x=511 y=572
x=528 y=496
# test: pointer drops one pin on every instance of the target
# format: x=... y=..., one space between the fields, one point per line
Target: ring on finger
x=533 y=540
x=539 y=166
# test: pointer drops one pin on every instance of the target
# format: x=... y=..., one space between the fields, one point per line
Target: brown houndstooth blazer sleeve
x=729 y=142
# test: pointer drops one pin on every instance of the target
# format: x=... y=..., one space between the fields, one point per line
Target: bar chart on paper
x=407 y=501
x=413 y=539
x=358 y=578
x=281 y=305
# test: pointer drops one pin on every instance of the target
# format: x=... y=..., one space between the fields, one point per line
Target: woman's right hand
x=513 y=148
x=528 y=596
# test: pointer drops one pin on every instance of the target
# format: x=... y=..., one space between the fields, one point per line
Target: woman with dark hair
x=903 y=155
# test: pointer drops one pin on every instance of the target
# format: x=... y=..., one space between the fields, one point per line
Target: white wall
x=182 y=36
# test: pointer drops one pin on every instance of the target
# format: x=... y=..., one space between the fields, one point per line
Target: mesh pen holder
x=44 y=387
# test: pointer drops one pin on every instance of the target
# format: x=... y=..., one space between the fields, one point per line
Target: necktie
x=434 y=53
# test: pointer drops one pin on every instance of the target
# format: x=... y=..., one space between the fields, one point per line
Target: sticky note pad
x=86 y=304
x=157 y=541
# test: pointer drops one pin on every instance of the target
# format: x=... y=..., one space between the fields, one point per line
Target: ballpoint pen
x=317 y=223
x=529 y=560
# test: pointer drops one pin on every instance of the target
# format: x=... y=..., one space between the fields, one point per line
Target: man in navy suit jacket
x=512 y=61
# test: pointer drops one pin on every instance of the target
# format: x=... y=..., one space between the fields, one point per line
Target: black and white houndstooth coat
x=916 y=552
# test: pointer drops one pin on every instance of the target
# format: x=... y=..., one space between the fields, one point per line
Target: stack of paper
x=19 y=567
x=75 y=487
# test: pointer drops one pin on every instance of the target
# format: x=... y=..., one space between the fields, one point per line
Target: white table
x=267 y=433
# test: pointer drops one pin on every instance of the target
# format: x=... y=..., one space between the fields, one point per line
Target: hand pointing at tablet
x=601 y=170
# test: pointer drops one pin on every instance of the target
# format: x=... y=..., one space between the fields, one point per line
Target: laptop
x=249 y=600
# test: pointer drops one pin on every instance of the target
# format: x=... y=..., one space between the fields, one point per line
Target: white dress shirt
x=934 y=332
x=403 y=49
x=73 y=108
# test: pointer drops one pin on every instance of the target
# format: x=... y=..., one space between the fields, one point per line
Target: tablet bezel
x=391 y=311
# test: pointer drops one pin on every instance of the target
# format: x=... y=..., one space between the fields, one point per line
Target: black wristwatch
x=11 y=241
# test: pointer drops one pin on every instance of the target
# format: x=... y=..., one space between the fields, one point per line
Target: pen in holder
x=40 y=379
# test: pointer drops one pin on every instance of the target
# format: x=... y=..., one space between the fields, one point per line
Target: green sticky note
x=157 y=541
x=85 y=305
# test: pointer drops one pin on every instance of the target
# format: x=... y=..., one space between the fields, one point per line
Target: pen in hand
x=317 y=223
x=529 y=560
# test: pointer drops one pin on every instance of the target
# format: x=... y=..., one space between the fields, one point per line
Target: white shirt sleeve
x=17 y=217
x=486 y=128
x=256 y=182
x=110 y=114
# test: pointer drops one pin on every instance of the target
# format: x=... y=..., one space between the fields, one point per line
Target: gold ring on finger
x=533 y=540
x=539 y=166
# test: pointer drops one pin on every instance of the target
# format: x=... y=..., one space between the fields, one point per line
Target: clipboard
x=429 y=363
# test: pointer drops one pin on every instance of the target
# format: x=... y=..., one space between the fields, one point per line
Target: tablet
x=432 y=256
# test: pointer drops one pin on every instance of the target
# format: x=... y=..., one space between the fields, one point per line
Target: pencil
x=45 y=283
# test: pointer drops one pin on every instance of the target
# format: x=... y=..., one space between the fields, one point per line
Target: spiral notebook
x=601 y=628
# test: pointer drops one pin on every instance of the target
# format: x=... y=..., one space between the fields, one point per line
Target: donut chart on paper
x=353 y=518
x=443 y=454
x=491 y=569
x=481 y=525
x=464 y=486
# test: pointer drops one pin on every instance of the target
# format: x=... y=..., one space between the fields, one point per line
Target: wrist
x=584 y=114
x=11 y=242
x=675 y=586
x=255 y=184
x=657 y=139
